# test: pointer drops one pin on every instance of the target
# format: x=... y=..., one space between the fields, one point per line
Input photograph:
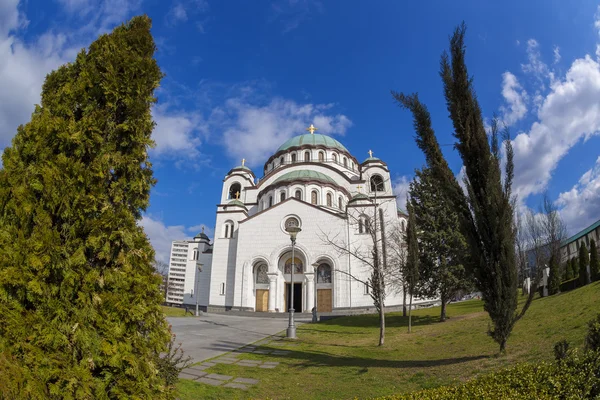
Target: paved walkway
x=211 y=335
x=198 y=372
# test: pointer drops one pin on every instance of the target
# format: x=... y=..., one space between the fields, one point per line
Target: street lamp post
x=315 y=317
x=291 y=330
x=199 y=266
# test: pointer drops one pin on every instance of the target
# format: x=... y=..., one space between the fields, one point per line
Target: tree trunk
x=381 y=324
x=443 y=312
x=410 y=314
x=404 y=301
x=503 y=346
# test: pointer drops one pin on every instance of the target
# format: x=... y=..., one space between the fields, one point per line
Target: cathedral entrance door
x=262 y=300
x=324 y=300
x=297 y=297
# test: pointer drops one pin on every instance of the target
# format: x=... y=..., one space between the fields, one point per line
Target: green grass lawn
x=175 y=312
x=340 y=358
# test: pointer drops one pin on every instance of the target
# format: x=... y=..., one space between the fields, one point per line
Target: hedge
x=576 y=377
x=571 y=284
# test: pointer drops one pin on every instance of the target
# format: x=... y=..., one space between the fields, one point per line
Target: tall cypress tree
x=584 y=260
x=441 y=245
x=486 y=212
x=574 y=265
x=554 y=278
x=411 y=274
x=594 y=261
x=80 y=309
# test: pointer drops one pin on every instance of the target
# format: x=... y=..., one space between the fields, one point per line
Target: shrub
x=561 y=350
x=594 y=261
x=592 y=340
x=576 y=377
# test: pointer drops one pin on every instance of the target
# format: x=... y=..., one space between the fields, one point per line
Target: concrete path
x=211 y=335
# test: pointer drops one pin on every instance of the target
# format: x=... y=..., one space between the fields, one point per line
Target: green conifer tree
x=554 y=278
x=584 y=260
x=411 y=274
x=594 y=261
x=441 y=246
x=568 y=271
x=574 y=268
x=80 y=314
x=486 y=212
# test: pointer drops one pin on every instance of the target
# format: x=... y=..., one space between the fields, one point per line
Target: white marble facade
x=311 y=180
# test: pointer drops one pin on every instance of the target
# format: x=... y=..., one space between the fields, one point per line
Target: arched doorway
x=261 y=287
x=297 y=292
x=324 y=287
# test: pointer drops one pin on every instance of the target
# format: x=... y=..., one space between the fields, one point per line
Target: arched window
x=334 y=156
x=360 y=225
x=377 y=183
x=403 y=226
x=281 y=161
x=321 y=156
x=307 y=156
x=329 y=200
x=314 y=197
x=340 y=202
x=298 y=194
x=282 y=196
x=367 y=225
x=345 y=162
x=228 y=229
x=270 y=201
x=324 y=273
x=261 y=274
x=233 y=189
x=293 y=157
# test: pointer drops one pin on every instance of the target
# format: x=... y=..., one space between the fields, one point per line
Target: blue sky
x=243 y=76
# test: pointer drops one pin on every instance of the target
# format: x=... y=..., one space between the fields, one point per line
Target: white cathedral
x=313 y=182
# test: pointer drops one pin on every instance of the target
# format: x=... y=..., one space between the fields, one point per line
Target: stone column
x=272 y=290
x=310 y=291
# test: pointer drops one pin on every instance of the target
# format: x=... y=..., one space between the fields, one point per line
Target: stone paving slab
x=247 y=381
x=268 y=366
x=226 y=361
x=184 y=375
x=219 y=377
x=191 y=371
x=262 y=352
x=201 y=367
x=281 y=352
x=212 y=382
x=236 y=386
x=271 y=363
x=209 y=364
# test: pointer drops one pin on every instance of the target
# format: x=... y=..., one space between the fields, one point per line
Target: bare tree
x=397 y=261
x=162 y=269
x=372 y=253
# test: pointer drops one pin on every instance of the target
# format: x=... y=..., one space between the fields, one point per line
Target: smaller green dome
x=312 y=140
x=236 y=202
x=371 y=159
x=359 y=196
x=201 y=235
x=304 y=175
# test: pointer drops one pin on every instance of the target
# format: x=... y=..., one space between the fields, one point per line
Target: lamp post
x=315 y=318
x=291 y=330
x=199 y=266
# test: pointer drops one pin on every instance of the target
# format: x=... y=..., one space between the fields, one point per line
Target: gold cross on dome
x=359 y=187
x=243 y=161
x=237 y=195
x=312 y=129
x=370 y=153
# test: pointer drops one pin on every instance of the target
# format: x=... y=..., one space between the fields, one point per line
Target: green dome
x=359 y=196
x=371 y=159
x=304 y=175
x=312 y=140
x=236 y=203
x=201 y=235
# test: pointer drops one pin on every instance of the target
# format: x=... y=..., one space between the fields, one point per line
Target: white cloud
x=556 y=54
x=535 y=66
x=177 y=133
x=400 y=186
x=515 y=97
x=568 y=113
x=178 y=13
x=161 y=236
x=254 y=132
x=182 y=10
x=292 y=13
x=580 y=206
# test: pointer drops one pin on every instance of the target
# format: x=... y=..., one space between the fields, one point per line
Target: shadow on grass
x=372 y=321
x=321 y=359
